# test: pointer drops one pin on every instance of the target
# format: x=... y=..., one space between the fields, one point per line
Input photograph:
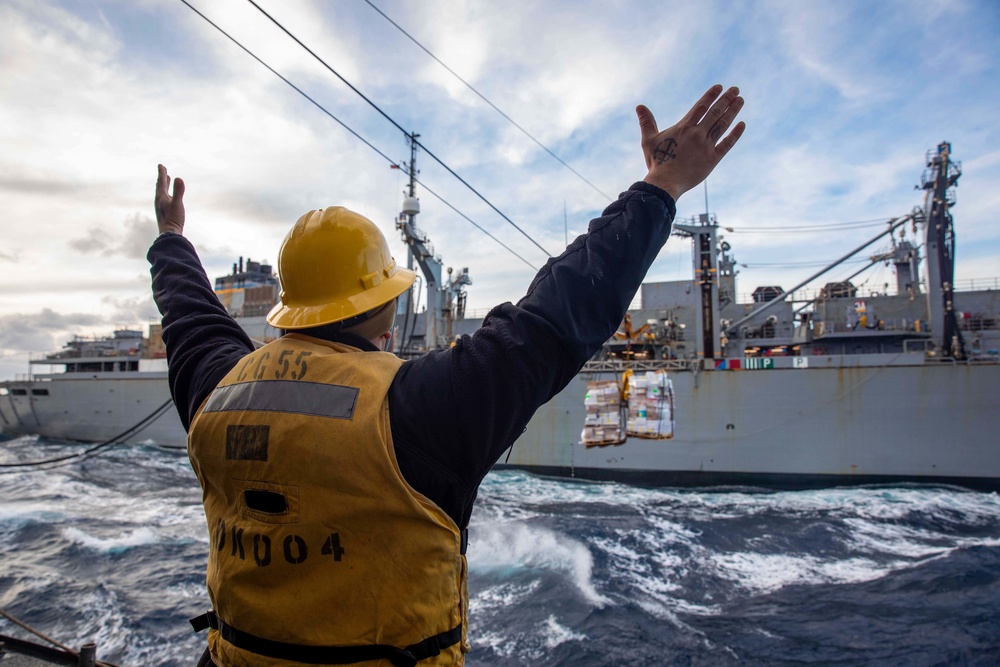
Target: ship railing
x=978 y=360
x=824 y=327
x=977 y=322
x=808 y=294
x=977 y=284
x=55 y=357
x=620 y=366
x=477 y=313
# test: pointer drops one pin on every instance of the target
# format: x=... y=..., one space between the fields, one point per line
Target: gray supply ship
x=794 y=389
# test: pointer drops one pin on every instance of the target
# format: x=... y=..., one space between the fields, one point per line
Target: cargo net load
x=603 y=423
x=641 y=407
x=650 y=406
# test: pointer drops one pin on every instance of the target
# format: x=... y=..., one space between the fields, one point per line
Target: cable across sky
x=397 y=125
x=358 y=136
x=485 y=99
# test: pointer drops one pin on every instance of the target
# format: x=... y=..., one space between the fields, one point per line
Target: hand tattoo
x=716 y=132
x=663 y=152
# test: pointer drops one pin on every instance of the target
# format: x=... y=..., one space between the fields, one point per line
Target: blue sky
x=843 y=99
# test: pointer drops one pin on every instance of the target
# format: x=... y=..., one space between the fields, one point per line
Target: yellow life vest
x=319 y=547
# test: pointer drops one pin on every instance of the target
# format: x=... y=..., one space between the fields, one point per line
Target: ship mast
x=704 y=232
x=445 y=296
x=938 y=181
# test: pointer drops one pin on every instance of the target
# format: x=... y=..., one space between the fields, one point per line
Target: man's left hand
x=169 y=209
x=683 y=155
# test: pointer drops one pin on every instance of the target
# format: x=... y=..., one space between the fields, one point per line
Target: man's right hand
x=682 y=156
x=169 y=209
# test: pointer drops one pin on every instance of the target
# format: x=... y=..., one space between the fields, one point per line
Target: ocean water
x=113 y=550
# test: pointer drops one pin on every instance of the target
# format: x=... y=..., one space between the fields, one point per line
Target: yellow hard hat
x=334 y=265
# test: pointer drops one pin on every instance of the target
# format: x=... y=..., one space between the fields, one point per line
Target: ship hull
x=855 y=421
x=92 y=408
x=843 y=420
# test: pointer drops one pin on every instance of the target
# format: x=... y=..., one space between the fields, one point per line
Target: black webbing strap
x=329 y=655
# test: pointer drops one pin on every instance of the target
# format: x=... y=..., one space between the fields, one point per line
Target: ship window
x=19 y=392
x=39 y=392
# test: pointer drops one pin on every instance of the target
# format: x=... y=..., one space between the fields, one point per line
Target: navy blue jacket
x=452 y=412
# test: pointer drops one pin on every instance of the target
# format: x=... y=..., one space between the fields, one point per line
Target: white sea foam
x=136 y=538
x=187 y=591
x=766 y=573
x=529 y=646
x=556 y=634
x=652 y=572
x=502 y=596
x=896 y=540
x=19 y=514
x=105 y=612
x=515 y=545
x=498 y=642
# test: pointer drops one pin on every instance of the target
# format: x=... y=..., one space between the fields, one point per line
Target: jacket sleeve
x=203 y=341
x=454 y=412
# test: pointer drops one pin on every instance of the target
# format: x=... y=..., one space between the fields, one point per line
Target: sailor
x=339 y=481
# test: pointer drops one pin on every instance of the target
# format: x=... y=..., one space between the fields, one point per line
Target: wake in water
x=562 y=573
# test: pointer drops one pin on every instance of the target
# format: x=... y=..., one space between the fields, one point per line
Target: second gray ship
x=797 y=388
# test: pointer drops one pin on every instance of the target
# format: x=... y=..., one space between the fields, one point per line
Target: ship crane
x=704 y=230
x=939 y=180
x=445 y=294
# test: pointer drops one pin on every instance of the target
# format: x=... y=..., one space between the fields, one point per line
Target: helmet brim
x=306 y=316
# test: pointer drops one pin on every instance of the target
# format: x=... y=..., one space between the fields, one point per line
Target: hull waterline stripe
x=307 y=398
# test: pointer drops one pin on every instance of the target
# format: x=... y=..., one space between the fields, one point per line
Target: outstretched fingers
x=169 y=209
x=720 y=105
x=701 y=107
x=647 y=124
x=178 y=189
x=162 y=181
x=730 y=140
x=725 y=118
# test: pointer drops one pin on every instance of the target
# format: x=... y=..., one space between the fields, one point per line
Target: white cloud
x=41 y=331
x=840 y=108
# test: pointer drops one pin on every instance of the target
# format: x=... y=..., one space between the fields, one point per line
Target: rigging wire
x=484 y=99
x=356 y=135
x=467 y=218
x=397 y=125
x=796 y=265
x=805 y=229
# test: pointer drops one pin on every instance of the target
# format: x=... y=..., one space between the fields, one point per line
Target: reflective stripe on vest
x=307 y=398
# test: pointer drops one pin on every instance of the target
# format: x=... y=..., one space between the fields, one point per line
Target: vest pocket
x=268 y=502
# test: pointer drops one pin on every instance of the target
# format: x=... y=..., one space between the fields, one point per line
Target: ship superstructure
x=800 y=388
